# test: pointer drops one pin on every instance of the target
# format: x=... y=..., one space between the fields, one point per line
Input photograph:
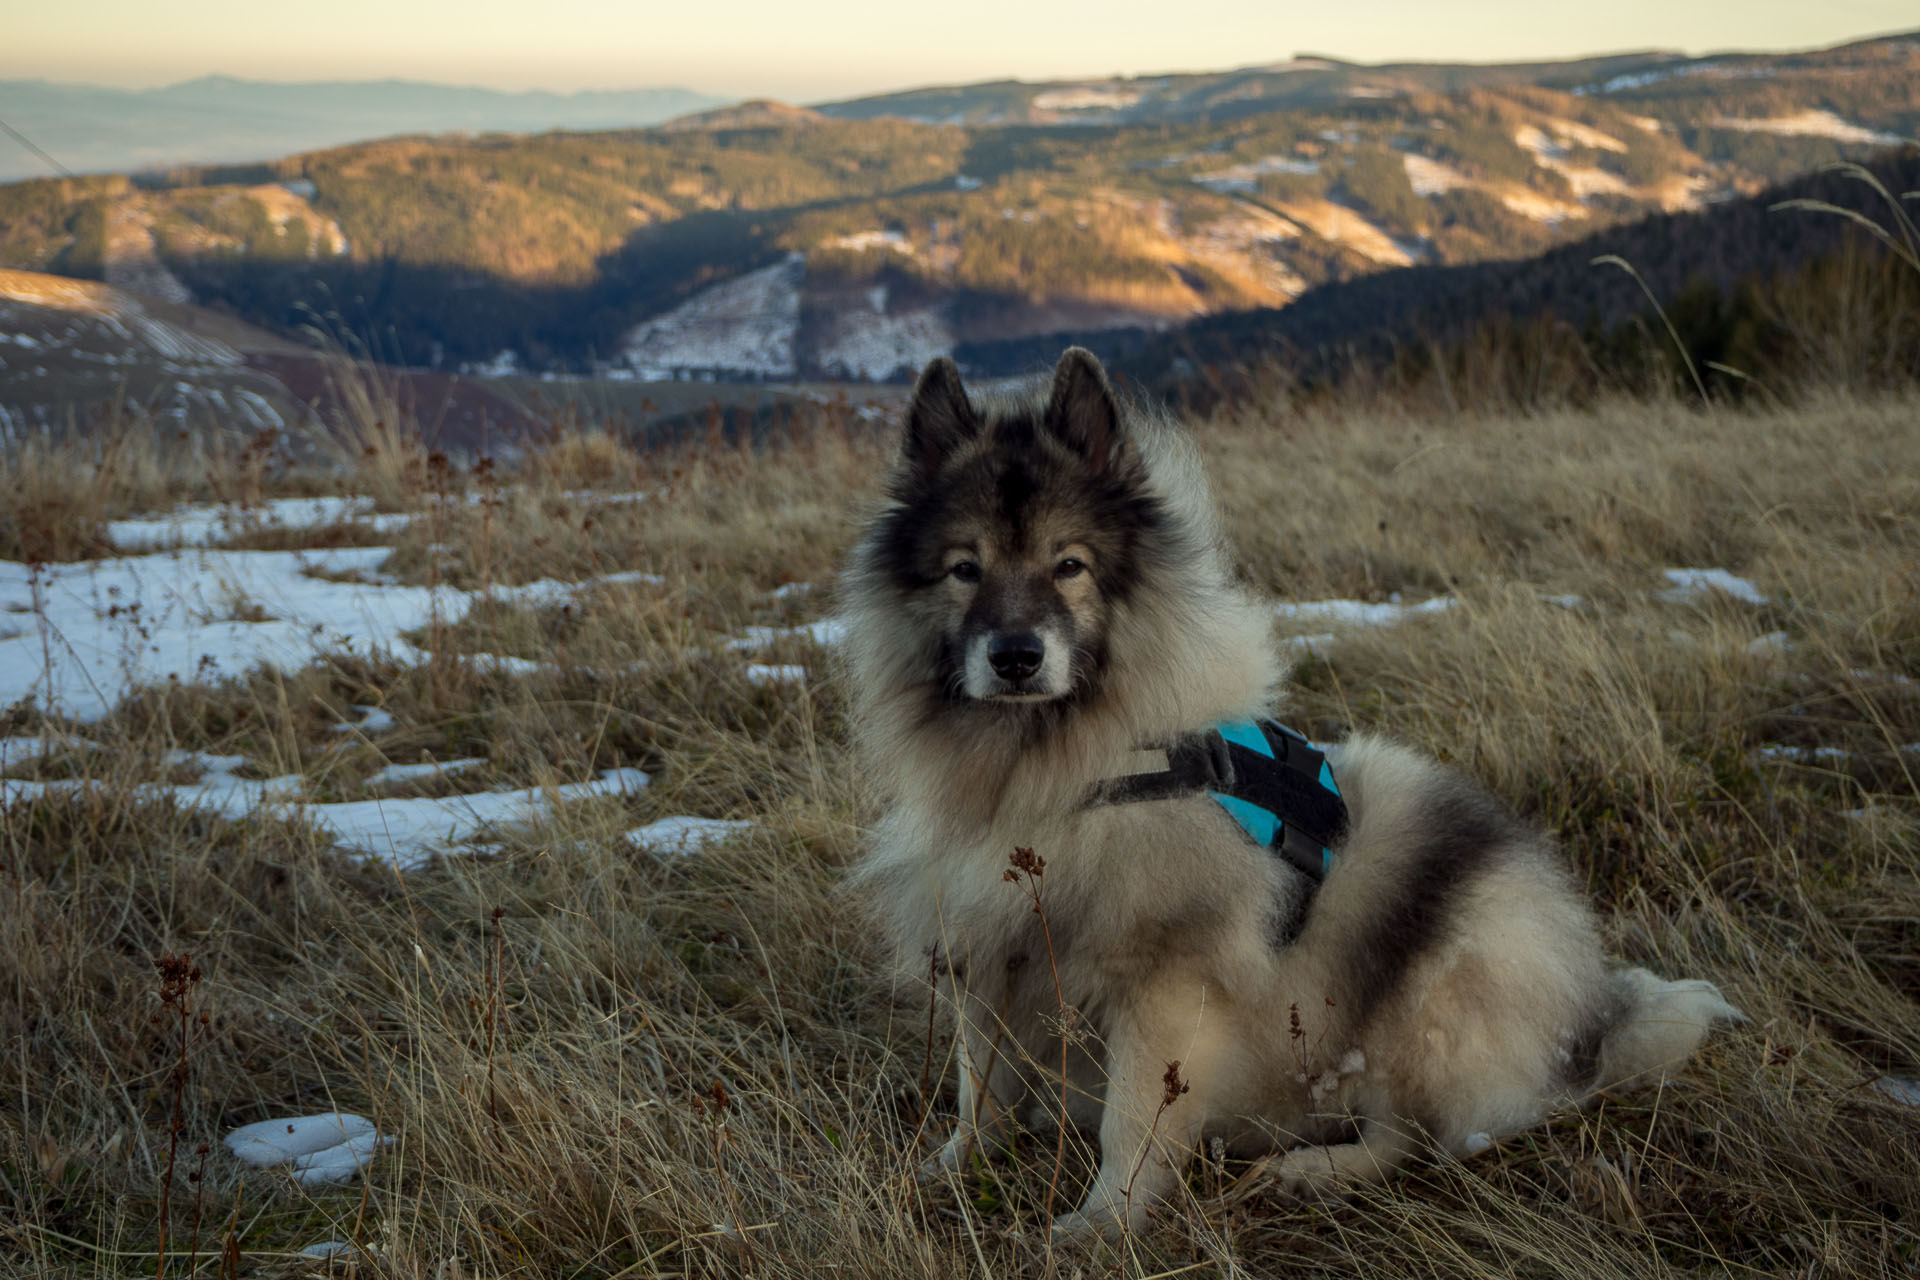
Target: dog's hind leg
x=1381 y=1149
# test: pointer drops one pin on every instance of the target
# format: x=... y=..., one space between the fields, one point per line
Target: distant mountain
x=1716 y=86
x=778 y=243
x=218 y=119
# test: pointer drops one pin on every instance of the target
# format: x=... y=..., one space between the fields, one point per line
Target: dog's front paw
x=950 y=1159
x=1100 y=1218
x=1081 y=1225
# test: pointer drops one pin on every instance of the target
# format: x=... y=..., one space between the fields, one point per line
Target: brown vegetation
x=597 y=1061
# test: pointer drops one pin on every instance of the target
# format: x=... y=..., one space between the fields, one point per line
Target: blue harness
x=1273 y=782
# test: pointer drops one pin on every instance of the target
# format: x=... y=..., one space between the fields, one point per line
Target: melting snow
x=825 y=632
x=19 y=752
x=200 y=526
x=684 y=835
x=1905 y=1091
x=1356 y=613
x=1429 y=177
x=318 y=1150
x=1781 y=751
x=372 y=720
x=407 y=832
x=1549 y=153
x=745 y=325
x=1813 y=124
x=876 y=343
x=426 y=769
x=1695 y=584
x=1244 y=177
x=110 y=625
x=760 y=673
x=1086 y=98
x=862 y=241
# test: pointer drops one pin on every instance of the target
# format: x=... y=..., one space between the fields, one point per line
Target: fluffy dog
x=1044 y=603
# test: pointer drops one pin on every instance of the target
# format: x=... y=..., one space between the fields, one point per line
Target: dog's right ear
x=940 y=418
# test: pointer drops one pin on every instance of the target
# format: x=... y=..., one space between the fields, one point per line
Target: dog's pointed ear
x=1081 y=411
x=940 y=418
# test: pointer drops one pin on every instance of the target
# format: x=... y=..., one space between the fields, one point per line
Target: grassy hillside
x=596 y=1057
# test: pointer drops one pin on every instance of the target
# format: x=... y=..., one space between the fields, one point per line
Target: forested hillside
x=775 y=242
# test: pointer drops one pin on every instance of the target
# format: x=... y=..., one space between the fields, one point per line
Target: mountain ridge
x=773 y=242
x=224 y=119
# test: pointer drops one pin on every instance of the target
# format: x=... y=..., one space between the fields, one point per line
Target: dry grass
x=541 y=1028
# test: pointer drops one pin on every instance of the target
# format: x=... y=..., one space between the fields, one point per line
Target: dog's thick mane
x=1186 y=647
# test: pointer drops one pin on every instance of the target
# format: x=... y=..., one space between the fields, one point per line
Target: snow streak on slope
x=871 y=344
x=1429 y=177
x=743 y=326
x=1813 y=124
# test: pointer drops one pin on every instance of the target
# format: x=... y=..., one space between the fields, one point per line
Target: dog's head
x=1016 y=530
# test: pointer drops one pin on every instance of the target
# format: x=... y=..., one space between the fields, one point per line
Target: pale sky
x=811 y=50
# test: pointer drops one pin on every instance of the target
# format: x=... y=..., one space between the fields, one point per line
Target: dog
x=1043 y=614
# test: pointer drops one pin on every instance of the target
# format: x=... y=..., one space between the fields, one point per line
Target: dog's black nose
x=1015 y=657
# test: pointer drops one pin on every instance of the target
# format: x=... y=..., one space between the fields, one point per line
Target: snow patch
x=319 y=1151
x=1357 y=613
x=203 y=525
x=1901 y=1091
x=372 y=720
x=745 y=325
x=1697 y=584
x=874 y=344
x=1086 y=98
x=826 y=632
x=407 y=833
x=864 y=241
x=1549 y=152
x=19 y=752
x=1429 y=177
x=684 y=835
x=113 y=625
x=1813 y=124
x=789 y=673
x=1244 y=177
x=395 y=773
x=1780 y=751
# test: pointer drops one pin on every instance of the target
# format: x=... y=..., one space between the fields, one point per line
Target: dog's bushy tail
x=1657 y=1027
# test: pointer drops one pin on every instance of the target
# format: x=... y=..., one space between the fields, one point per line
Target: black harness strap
x=1275 y=783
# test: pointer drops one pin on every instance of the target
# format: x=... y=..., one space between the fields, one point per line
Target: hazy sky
x=814 y=49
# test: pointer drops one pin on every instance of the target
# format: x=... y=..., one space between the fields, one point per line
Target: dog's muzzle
x=1014 y=658
x=1017 y=666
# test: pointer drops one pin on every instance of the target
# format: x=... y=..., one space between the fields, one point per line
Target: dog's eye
x=1069 y=568
x=965 y=571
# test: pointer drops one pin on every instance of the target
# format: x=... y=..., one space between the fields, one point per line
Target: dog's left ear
x=1081 y=411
